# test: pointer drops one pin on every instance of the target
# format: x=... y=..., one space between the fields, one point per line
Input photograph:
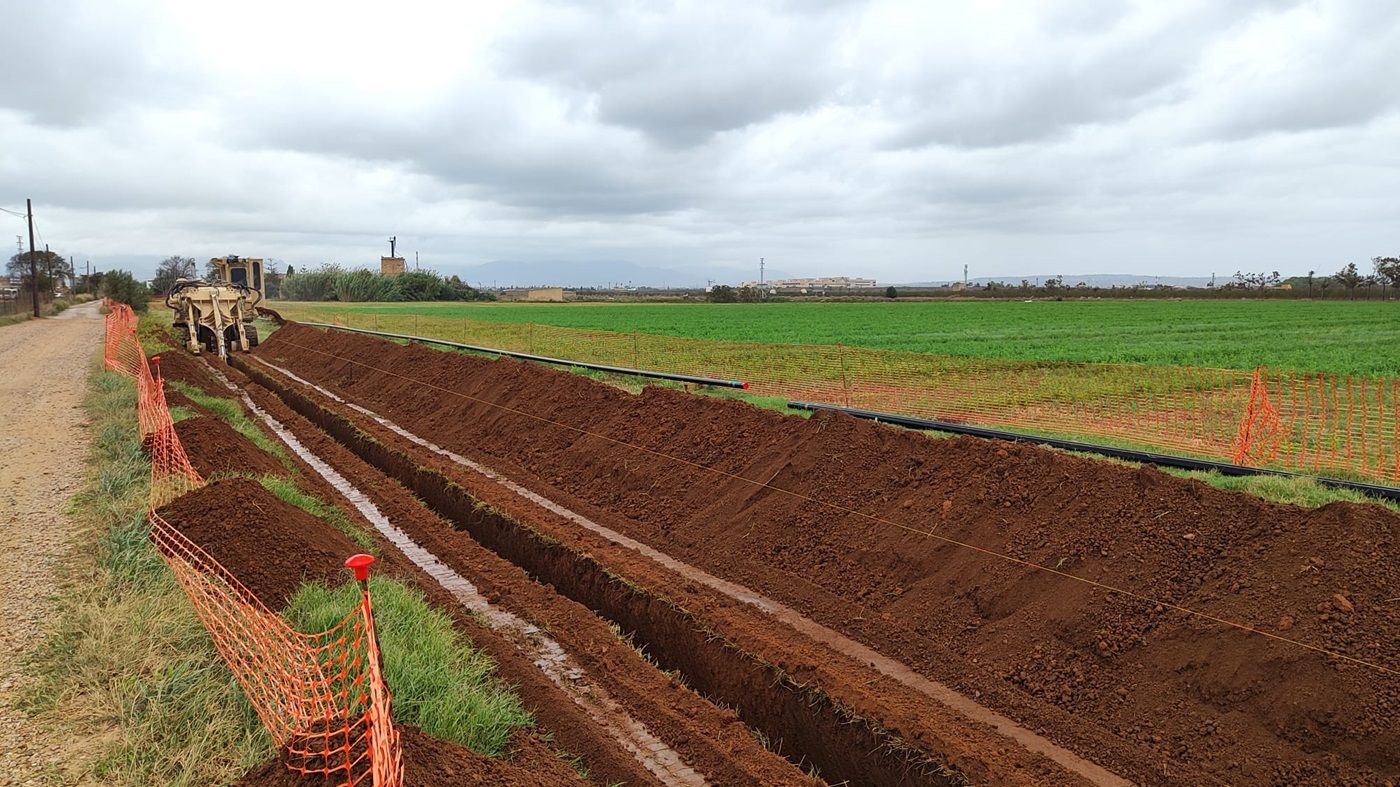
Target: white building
x=817 y=283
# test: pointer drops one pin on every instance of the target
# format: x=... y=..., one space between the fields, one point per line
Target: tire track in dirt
x=44 y=365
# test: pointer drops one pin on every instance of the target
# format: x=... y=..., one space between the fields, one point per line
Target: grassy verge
x=288 y=492
x=231 y=412
x=130 y=675
x=129 y=667
x=439 y=683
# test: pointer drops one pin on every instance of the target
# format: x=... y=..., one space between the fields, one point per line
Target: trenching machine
x=218 y=315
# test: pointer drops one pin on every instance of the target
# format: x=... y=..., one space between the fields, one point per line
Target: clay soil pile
x=215 y=447
x=177 y=364
x=429 y=761
x=875 y=531
x=271 y=546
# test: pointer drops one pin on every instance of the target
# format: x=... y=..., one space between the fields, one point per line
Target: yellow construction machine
x=217 y=315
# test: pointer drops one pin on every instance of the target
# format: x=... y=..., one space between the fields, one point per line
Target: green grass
x=129 y=673
x=1355 y=337
x=438 y=682
x=231 y=412
x=128 y=669
x=287 y=491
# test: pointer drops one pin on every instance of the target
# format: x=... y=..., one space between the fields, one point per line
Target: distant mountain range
x=1089 y=280
x=511 y=273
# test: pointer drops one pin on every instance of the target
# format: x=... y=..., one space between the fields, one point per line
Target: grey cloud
x=842 y=137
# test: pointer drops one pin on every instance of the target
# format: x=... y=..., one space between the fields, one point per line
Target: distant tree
x=891 y=292
x=272 y=278
x=722 y=293
x=291 y=271
x=122 y=287
x=1310 y=282
x=749 y=294
x=1388 y=271
x=172 y=268
x=53 y=269
x=1349 y=277
x=1054 y=283
x=1257 y=281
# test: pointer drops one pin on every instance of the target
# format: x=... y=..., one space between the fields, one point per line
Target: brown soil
x=215 y=447
x=430 y=761
x=271 y=546
x=174 y=398
x=709 y=738
x=177 y=364
x=1160 y=696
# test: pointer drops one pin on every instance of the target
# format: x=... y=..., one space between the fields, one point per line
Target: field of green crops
x=1336 y=336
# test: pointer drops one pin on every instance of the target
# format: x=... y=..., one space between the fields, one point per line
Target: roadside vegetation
x=130 y=675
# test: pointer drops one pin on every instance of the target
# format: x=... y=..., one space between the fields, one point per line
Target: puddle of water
x=812 y=629
x=547 y=654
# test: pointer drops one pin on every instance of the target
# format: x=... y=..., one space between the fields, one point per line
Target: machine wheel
x=252 y=332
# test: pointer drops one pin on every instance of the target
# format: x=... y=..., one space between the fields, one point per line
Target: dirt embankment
x=429 y=761
x=271 y=546
x=215 y=447
x=855 y=524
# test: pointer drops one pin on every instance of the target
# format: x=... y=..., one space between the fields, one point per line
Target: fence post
x=381 y=738
x=636 y=356
x=845 y=378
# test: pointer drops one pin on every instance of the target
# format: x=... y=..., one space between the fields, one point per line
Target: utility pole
x=760 y=272
x=415 y=260
x=964 y=275
x=33 y=263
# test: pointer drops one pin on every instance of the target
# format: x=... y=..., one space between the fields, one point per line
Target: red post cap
x=360 y=565
x=155 y=359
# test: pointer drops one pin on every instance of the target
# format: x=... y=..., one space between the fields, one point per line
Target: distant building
x=535 y=294
x=391 y=266
x=817 y=283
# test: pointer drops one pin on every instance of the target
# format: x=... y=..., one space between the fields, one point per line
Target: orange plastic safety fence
x=322 y=696
x=1309 y=422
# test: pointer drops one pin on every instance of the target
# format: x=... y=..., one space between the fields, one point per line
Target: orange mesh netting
x=1303 y=421
x=321 y=696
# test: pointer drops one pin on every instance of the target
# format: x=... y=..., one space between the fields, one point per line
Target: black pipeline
x=681 y=378
x=1146 y=457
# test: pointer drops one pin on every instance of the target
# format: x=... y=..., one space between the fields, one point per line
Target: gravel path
x=44 y=366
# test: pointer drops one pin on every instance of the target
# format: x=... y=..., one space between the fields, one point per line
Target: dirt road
x=43 y=446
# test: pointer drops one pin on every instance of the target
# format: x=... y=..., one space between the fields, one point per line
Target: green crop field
x=1360 y=337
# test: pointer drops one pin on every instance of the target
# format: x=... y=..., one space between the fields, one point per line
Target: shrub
x=122 y=287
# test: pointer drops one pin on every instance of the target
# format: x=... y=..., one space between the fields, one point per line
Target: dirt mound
x=177 y=364
x=270 y=546
x=876 y=531
x=174 y=398
x=215 y=447
x=429 y=761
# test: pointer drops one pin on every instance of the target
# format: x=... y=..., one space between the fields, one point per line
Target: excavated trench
x=812 y=730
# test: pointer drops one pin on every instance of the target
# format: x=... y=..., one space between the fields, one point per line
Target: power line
x=18 y=213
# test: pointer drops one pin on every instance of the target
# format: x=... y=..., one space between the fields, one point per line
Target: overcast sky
x=898 y=140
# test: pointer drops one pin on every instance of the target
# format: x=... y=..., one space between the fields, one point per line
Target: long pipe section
x=1146 y=457
x=681 y=378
